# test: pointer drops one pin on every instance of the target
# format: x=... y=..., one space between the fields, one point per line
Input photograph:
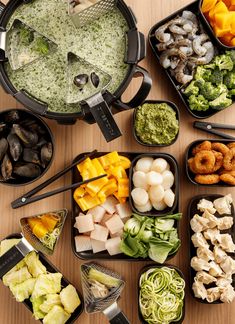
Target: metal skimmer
x=107 y=305
x=91 y=13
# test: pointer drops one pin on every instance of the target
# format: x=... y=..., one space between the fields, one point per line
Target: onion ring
x=231 y=145
x=229 y=160
x=191 y=165
x=204 y=146
x=228 y=177
x=218 y=161
x=207 y=178
x=220 y=147
x=204 y=162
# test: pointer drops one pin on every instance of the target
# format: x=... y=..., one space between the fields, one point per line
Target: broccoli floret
x=222 y=89
x=209 y=91
x=231 y=93
x=224 y=62
x=221 y=102
x=191 y=89
x=198 y=103
x=217 y=76
x=26 y=35
x=229 y=80
x=200 y=83
x=202 y=73
x=211 y=66
x=41 y=46
x=231 y=54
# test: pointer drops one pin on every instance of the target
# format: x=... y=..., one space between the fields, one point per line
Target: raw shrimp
x=165 y=57
x=175 y=26
x=198 y=48
x=207 y=58
x=189 y=15
x=177 y=37
x=161 y=35
x=163 y=46
x=188 y=51
x=207 y=179
x=220 y=147
x=181 y=42
x=206 y=145
x=180 y=75
x=174 y=62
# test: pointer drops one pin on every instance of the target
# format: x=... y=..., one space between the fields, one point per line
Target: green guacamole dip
x=156 y=123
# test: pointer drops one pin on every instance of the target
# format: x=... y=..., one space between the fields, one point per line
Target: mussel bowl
x=26 y=147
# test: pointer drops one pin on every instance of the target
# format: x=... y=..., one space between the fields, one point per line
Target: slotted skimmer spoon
x=27 y=244
x=107 y=305
x=24 y=45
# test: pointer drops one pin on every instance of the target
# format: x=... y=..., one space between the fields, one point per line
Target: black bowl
x=172 y=105
x=188 y=155
x=174 y=169
x=192 y=210
x=153 y=266
x=25 y=114
x=211 y=31
x=64 y=282
x=153 y=42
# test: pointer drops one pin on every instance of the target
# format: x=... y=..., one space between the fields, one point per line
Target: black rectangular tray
x=146 y=268
x=192 y=210
x=188 y=155
x=64 y=282
x=104 y=255
x=194 y=7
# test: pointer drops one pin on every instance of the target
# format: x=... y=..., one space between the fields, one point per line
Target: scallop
x=169 y=197
x=144 y=209
x=154 y=178
x=140 y=196
x=144 y=164
x=160 y=165
x=139 y=180
x=168 y=179
x=156 y=193
x=160 y=205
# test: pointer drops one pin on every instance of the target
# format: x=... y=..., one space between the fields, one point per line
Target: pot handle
x=142 y=93
x=104 y=117
x=31 y=103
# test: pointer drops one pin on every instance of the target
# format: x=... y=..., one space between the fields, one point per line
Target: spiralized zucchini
x=49 y=239
x=161 y=295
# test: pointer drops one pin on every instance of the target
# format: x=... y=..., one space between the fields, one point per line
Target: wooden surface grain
x=72 y=140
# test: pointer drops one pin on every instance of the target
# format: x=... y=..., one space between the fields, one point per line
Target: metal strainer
x=91 y=13
x=107 y=305
x=27 y=244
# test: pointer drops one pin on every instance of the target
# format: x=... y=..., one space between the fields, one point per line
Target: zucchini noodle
x=50 y=239
x=161 y=295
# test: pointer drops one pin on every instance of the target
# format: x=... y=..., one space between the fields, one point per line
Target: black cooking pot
x=100 y=110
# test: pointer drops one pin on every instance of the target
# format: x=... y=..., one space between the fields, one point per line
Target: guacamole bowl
x=156 y=123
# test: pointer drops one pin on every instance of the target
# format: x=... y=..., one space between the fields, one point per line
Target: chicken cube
x=82 y=243
x=85 y=223
x=113 y=246
x=114 y=224
x=98 y=213
x=100 y=233
x=124 y=210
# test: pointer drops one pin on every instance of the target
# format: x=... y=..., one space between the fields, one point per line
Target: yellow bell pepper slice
x=40 y=230
x=84 y=165
x=124 y=162
x=33 y=221
x=79 y=193
x=121 y=200
x=123 y=188
x=88 y=202
x=118 y=172
x=95 y=186
x=49 y=221
x=108 y=189
x=98 y=166
x=109 y=159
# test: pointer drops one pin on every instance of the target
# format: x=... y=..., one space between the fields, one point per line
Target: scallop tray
x=192 y=210
x=64 y=282
x=104 y=255
x=194 y=7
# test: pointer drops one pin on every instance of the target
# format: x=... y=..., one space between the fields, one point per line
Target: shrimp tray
x=104 y=255
x=193 y=7
x=192 y=210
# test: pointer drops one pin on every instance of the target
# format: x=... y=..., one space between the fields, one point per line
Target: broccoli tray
x=205 y=88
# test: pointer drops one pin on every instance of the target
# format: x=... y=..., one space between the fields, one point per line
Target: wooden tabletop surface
x=72 y=140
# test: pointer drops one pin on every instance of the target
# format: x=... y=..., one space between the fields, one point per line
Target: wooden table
x=70 y=141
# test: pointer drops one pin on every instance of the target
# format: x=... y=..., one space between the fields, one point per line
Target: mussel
x=6 y=168
x=80 y=80
x=46 y=154
x=3 y=147
x=12 y=116
x=27 y=170
x=15 y=146
x=3 y=127
x=95 y=80
x=30 y=155
x=27 y=137
x=32 y=125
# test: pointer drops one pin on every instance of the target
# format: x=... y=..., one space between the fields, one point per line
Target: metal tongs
x=210 y=128
x=28 y=199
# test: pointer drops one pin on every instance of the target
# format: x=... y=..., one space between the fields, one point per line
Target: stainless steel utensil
x=91 y=13
x=27 y=244
x=107 y=305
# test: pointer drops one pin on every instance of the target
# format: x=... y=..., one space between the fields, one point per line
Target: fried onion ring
x=204 y=146
x=204 y=162
x=218 y=161
x=228 y=177
x=191 y=165
x=231 y=145
x=220 y=147
x=207 y=178
x=229 y=160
